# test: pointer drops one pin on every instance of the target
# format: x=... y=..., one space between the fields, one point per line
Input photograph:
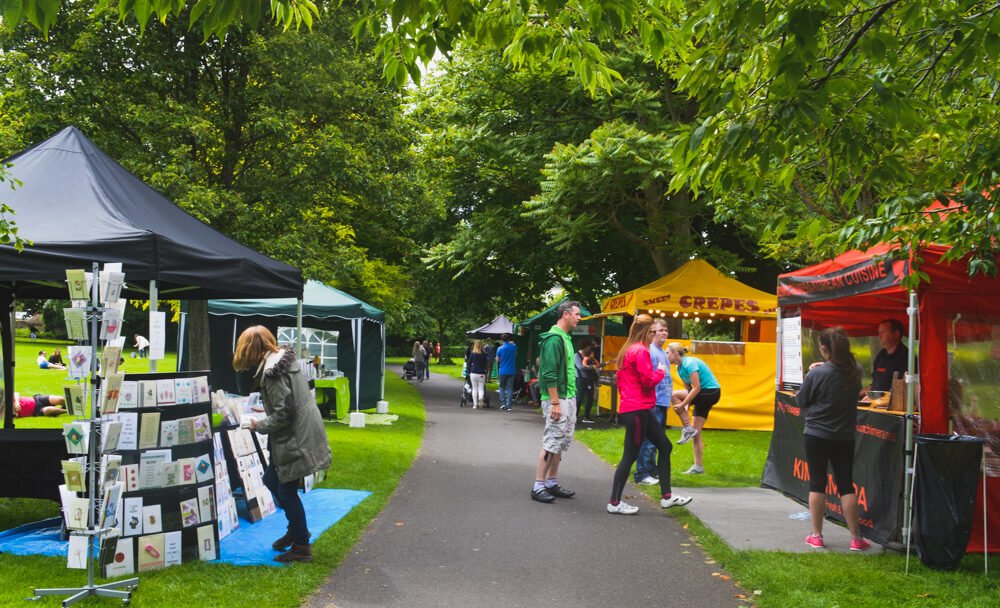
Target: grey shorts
x=558 y=434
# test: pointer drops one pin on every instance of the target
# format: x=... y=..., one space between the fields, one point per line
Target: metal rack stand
x=119 y=589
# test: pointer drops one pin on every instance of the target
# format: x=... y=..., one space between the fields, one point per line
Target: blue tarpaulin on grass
x=250 y=545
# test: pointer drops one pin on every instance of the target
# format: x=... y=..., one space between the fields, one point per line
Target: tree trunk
x=199 y=346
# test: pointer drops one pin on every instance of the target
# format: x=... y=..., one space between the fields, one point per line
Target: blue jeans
x=645 y=464
x=506 y=389
x=286 y=496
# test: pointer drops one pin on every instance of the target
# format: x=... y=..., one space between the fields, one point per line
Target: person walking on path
x=555 y=368
x=419 y=360
x=507 y=368
x=477 y=373
x=637 y=380
x=645 y=464
x=829 y=398
x=702 y=391
x=426 y=346
x=298 y=442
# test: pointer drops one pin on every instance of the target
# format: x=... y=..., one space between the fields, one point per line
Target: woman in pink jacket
x=637 y=382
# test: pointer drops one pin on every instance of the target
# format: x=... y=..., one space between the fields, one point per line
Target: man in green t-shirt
x=555 y=368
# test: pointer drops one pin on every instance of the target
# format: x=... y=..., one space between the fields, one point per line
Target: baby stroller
x=467 y=394
x=409 y=370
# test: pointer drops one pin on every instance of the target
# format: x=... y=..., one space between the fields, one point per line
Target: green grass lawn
x=373 y=458
x=29 y=379
x=818 y=580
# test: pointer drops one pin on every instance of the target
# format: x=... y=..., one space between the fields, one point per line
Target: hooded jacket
x=295 y=429
x=552 y=369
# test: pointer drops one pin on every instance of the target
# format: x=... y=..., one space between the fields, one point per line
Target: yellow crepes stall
x=745 y=369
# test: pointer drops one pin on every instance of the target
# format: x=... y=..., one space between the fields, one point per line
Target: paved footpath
x=461 y=530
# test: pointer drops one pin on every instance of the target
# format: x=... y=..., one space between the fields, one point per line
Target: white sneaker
x=695 y=470
x=675 y=501
x=622 y=508
x=687 y=434
x=649 y=480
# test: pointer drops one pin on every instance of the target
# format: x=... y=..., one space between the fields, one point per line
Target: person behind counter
x=828 y=397
x=892 y=359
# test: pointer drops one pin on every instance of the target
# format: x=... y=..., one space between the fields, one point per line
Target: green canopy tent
x=526 y=332
x=324 y=308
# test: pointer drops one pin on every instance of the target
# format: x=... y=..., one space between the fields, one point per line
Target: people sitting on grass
x=44 y=363
x=39 y=405
x=56 y=358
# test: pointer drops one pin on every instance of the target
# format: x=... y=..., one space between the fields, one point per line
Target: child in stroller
x=409 y=370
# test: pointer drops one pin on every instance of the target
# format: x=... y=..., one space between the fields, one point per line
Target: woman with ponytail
x=829 y=398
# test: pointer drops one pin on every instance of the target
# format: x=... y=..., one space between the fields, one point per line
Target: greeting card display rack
x=118 y=589
x=175 y=519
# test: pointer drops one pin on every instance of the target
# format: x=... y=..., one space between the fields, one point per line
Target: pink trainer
x=816 y=541
x=859 y=544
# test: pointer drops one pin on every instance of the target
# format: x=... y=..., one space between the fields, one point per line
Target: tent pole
x=777 y=354
x=912 y=379
x=8 y=362
x=357 y=367
x=298 y=328
x=180 y=342
x=382 y=391
x=154 y=305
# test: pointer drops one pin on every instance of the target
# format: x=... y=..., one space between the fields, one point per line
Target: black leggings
x=584 y=397
x=840 y=455
x=638 y=426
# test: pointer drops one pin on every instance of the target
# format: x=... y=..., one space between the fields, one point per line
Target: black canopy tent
x=77 y=206
x=494 y=329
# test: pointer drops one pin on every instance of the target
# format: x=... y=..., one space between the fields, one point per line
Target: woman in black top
x=477 y=372
x=829 y=399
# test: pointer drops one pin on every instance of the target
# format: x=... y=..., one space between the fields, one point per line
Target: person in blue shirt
x=506 y=370
x=702 y=391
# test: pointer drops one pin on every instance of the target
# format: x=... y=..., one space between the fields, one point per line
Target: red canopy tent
x=857 y=290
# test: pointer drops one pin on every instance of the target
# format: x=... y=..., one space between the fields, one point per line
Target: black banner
x=870 y=275
x=878 y=468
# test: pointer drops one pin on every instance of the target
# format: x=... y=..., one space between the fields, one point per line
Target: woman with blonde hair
x=419 y=360
x=637 y=380
x=477 y=373
x=297 y=435
x=702 y=391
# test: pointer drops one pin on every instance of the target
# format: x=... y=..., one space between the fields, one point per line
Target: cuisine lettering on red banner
x=867 y=276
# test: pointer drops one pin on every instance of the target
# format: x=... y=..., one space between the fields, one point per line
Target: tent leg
x=154 y=305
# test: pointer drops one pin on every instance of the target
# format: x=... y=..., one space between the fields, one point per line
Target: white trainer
x=675 y=501
x=695 y=470
x=622 y=508
x=687 y=434
x=649 y=480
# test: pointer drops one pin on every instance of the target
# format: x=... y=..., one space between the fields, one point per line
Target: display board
x=166 y=459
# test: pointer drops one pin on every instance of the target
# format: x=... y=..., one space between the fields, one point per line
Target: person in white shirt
x=141 y=346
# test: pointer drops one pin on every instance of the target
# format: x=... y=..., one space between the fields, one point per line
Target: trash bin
x=946 y=478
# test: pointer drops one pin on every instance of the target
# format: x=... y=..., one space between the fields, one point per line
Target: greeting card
x=110 y=391
x=130 y=473
x=206 y=543
x=111 y=433
x=184 y=390
x=149 y=430
x=76 y=281
x=168 y=433
x=151 y=519
x=201 y=392
x=206 y=503
x=203 y=468
x=110 y=506
x=132 y=516
x=185 y=431
x=172 y=548
x=190 y=513
x=202 y=429
x=129 y=438
x=187 y=471
x=111 y=324
x=73 y=475
x=151 y=473
x=76 y=323
x=75 y=400
x=76 y=435
x=111 y=286
x=166 y=392
x=76 y=556
x=150 y=552
x=123 y=561
x=110 y=358
x=128 y=396
x=147 y=393
x=111 y=469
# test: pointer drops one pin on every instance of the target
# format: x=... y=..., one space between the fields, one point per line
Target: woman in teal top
x=702 y=391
